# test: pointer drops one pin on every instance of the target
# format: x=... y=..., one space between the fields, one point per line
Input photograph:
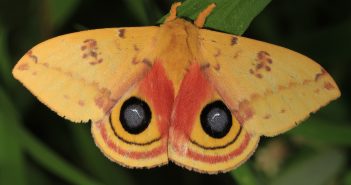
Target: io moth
x=175 y=92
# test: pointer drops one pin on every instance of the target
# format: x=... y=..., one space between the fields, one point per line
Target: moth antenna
x=201 y=18
x=173 y=12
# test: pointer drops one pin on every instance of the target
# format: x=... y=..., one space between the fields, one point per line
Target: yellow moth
x=176 y=91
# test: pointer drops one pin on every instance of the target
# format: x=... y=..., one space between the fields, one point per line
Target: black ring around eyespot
x=135 y=115
x=129 y=142
x=220 y=146
x=216 y=119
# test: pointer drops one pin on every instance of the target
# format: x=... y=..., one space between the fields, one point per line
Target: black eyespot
x=135 y=115
x=216 y=119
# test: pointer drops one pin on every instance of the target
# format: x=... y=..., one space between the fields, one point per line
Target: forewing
x=270 y=89
x=82 y=75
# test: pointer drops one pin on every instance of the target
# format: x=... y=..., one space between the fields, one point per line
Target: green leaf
x=244 y=175
x=320 y=43
x=52 y=162
x=347 y=180
x=322 y=131
x=144 y=11
x=60 y=11
x=313 y=170
x=94 y=159
x=5 y=67
x=137 y=8
x=12 y=166
x=14 y=140
x=230 y=16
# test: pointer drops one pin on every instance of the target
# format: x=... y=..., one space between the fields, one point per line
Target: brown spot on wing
x=134 y=61
x=91 y=52
x=147 y=62
x=121 y=33
x=83 y=47
x=262 y=64
x=96 y=62
x=258 y=75
x=136 y=48
x=244 y=112
x=270 y=61
x=91 y=43
x=282 y=111
x=268 y=68
x=267 y=116
x=259 y=66
x=237 y=54
x=217 y=67
x=218 y=53
x=104 y=101
x=23 y=67
x=320 y=75
x=32 y=56
x=305 y=82
x=203 y=66
x=328 y=86
x=81 y=103
x=234 y=41
x=261 y=55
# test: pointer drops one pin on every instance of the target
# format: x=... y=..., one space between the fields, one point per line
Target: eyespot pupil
x=216 y=119
x=135 y=115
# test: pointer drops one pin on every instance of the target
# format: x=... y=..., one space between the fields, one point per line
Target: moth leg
x=201 y=18
x=173 y=12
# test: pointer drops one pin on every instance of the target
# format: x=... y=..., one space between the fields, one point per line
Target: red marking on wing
x=234 y=41
x=32 y=56
x=244 y=112
x=91 y=52
x=131 y=154
x=104 y=101
x=193 y=90
x=23 y=67
x=320 y=75
x=158 y=90
x=328 y=86
x=81 y=103
x=219 y=158
x=263 y=60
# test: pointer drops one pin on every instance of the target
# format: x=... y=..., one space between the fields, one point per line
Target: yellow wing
x=81 y=75
x=270 y=89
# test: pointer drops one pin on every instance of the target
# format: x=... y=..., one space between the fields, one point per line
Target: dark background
x=39 y=147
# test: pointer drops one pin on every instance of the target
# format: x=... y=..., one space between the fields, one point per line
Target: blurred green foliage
x=38 y=147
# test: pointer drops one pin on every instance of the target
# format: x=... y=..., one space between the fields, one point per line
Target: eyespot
x=216 y=119
x=135 y=115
